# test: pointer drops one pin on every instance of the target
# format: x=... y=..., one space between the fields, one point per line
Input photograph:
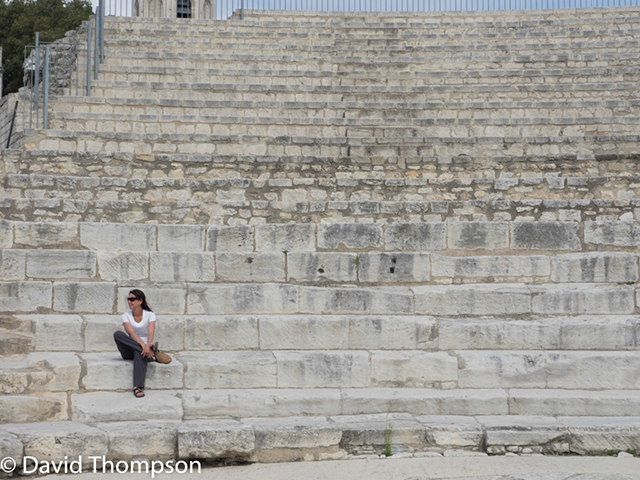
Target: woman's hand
x=147 y=352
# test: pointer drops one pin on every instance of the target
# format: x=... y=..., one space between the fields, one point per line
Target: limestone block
x=182 y=267
x=356 y=300
x=545 y=236
x=62 y=333
x=300 y=237
x=368 y=332
x=249 y=369
x=606 y=332
x=478 y=235
x=141 y=440
x=589 y=435
x=90 y=297
x=582 y=298
x=46 y=235
x=558 y=402
x=6 y=234
x=349 y=235
x=447 y=431
x=250 y=267
x=315 y=369
x=212 y=439
x=25 y=296
x=41 y=372
x=505 y=369
x=40 y=407
x=415 y=236
x=595 y=267
x=60 y=441
x=616 y=233
x=421 y=401
x=11 y=446
x=203 y=332
x=12 y=264
x=523 y=431
x=230 y=239
x=318 y=267
x=394 y=267
x=593 y=370
x=480 y=299
x=124 y=407
x=108 y=371
x=239 y=298
x=181 y=238
x=99 y=330
x=412 y=369
x=123 y=266
x=279 y=402
x=294 y=432
x=304 y=332
x=490 y=267
x=65 y=264
x=118 y=237
x=370 y=429
x=493 y=334
x=162 y=299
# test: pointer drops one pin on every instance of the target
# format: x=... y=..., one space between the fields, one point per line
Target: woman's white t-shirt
x=141 y=329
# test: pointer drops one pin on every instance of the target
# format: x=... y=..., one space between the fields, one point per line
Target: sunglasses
x=132 y=299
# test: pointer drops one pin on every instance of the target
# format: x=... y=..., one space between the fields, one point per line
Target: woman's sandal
x=138 y=393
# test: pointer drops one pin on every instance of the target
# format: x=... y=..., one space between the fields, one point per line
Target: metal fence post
x=36 y=86
x=96 y=49
x=89 y=60
x=45 y=89
x=242 y=10
x=102 y=6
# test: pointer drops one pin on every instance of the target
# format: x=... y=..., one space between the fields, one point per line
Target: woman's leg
x=131 y=350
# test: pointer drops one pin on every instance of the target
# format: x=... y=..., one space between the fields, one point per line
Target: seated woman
x=137 y=344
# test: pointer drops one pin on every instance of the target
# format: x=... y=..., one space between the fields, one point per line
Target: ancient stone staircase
x=345 y=223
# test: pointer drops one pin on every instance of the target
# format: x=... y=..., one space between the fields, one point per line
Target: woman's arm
x=129 y=329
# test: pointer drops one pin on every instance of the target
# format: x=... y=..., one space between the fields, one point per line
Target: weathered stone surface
x=619 y=234
x=181 y=238
x=25 y=296
x=220 y=333
x=502 y=369
x=135 y=440
x=472 y=300
x=394 y=267
x=445 y=431
x=66 y=264
x=523 y=431
x=250 y=267
x=214 y=439
x=60 y=441
x=118 y=237
x=46 y=235
x=323 y=369
x=349 y=235
x=13 y=264
x=362 y=430
x=593 y=370
x=294 y=432
x=124 y=407
x=322 y=332
x=478 y=235
x=182 y=267
x=554 y=402
x=589 y=435
x=99 y=330
x=41 y=407
x=605 y=332
x=545 y=235
x=490 y=267
x=162 y=298
x=91 y=297
x=582 y=298
x=108 y=371
x=415 y=236
x=41 y=372
x=319 y=267
x=238 y=298
x=118 y=266
x=230 y=239
x=595 y=267
x=412 y=369
x=57 y=333
x=252 y=369
x=6 y=234
x=11 y=446
x=370 y=332
x=356 y=300
x=292 y=238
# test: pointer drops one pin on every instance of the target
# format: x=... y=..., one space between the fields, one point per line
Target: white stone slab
x=478 y=235
x=123 y=266
x=124 y=407
x=230 y=239
x=248 y=369
x=181 y=238
x=373 y=332
x=78 y=297
x=25 y=296
x=150 y=440
x=205 y=332
x=490 y=267
x=504 y=369
x=412 y=369
x=394 y=267
x=6 y=234
x=238 y=298
x=356 y=300
x=602 y=267
x=211 y=439
x=41 y=372
x=13 y=264
x=553 y=402
x=182 y=267
x=108 y=371
x=318 y=267
x=118 y=237
x=294 y=432
x=61 y=333
x=65 y=264
x=289 y=237
x=322 y=332
x=349 y=235
x=326 y=369
x=46 y=235
x=40 y=407
x=582 y=298
x=250 y=267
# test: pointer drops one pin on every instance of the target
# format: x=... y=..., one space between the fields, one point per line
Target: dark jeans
x=131 y=350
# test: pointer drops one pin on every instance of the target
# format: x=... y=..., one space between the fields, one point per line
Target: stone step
x=311 y=437
x=16 y=334
x=195 y=333
x=277 y=298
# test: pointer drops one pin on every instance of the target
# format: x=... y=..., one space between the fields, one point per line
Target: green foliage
x=21 y=19
x=388 y=438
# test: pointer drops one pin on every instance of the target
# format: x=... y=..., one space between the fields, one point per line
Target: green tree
x=21 y=19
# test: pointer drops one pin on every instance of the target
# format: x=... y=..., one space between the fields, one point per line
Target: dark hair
x=139 y=294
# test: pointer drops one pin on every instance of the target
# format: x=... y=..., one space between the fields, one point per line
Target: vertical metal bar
x=101 y=7
x=13 y=119
x=45 y=89
x=77 y=47
x=89 y=60
x=96 y=48
x=37 y=78
x=242 y=10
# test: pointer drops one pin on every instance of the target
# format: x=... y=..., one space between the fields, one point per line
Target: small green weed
x=388 y=438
